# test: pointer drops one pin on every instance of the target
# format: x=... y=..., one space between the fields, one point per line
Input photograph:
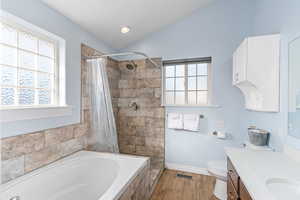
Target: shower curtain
x=103 y=127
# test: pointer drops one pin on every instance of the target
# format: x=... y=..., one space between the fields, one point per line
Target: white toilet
x=218 y=169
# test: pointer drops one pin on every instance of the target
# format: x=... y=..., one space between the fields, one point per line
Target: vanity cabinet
x=236 y=189
x=244 y=194
x=231 y=191
x=232 y=175
x=256 y=72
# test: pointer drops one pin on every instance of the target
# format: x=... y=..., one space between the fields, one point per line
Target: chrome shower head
x=131 y=66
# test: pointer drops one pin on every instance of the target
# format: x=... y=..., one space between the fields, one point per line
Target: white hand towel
x=191 y=122
x=175 y=121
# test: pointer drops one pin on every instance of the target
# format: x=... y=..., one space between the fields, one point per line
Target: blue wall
x=35 y=12
x=276 y=16
x=216 y=31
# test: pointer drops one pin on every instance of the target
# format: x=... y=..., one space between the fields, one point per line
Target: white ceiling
x=104 y=18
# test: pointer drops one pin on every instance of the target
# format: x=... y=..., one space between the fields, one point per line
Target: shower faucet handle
x=134 y=106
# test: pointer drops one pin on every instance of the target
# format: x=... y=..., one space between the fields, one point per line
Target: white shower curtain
x=103 y=127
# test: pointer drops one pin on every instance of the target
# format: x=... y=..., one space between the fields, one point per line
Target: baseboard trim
x=187 y=168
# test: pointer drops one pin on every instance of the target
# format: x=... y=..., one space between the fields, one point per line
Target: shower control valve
x=134 y=106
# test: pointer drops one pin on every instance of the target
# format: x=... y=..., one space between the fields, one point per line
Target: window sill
x=194 y=106
x=38 y=112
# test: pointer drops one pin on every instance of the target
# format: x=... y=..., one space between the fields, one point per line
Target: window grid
x=51 y=75
x=197 y=92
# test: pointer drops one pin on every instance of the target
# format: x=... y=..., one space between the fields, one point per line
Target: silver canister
x=258 y=137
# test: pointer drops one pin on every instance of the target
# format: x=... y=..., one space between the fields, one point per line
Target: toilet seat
x=218 y=169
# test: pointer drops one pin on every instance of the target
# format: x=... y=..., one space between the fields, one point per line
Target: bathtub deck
x=171 y=187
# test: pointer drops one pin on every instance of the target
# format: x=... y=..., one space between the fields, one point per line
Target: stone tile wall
x=24 y=153
x=141 y=132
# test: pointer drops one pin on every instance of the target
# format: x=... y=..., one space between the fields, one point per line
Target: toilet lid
x=218 y=167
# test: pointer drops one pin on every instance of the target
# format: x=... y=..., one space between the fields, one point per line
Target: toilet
x=218 y=169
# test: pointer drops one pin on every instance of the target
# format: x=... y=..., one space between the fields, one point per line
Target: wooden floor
x=171 y=187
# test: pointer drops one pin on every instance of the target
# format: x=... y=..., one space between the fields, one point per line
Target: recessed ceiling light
x=125 y=29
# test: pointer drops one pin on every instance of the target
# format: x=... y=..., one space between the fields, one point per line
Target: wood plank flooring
x=171 y=187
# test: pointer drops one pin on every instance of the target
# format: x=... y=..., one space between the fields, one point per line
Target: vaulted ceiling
x=104 y=18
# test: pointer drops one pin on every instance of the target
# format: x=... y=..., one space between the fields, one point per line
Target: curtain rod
x=123 y=54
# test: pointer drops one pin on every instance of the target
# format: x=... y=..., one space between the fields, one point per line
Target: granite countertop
x=256 y=167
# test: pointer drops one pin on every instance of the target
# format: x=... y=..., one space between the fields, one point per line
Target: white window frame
x=185 y=62
x=59 y=106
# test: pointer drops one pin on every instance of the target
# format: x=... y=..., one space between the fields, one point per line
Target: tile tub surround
x=24 y=153
x=141 y=132
x=86 y=175
x=140 y=187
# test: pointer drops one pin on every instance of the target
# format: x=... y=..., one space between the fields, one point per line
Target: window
x=28 y=68
x=187 y=82
x=32 y=71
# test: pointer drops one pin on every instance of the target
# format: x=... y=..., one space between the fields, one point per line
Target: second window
x=187 y=82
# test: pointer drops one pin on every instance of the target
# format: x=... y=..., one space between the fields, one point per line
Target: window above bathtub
x=32 y=71
x=187 y=82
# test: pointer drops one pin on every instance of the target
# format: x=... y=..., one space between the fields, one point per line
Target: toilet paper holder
x=220 y=135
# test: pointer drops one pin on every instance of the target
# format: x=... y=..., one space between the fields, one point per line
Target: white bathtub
x=82 y=176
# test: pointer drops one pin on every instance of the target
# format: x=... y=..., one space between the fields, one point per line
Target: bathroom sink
x=284 y=189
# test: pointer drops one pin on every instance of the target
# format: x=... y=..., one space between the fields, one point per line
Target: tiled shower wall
x=141 y=131
x=24 y=153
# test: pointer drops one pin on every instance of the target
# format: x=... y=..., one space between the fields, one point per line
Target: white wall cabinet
x=240 y=63
x=256 y=72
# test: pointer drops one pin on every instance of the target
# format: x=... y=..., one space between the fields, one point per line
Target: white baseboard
x=187 y=168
